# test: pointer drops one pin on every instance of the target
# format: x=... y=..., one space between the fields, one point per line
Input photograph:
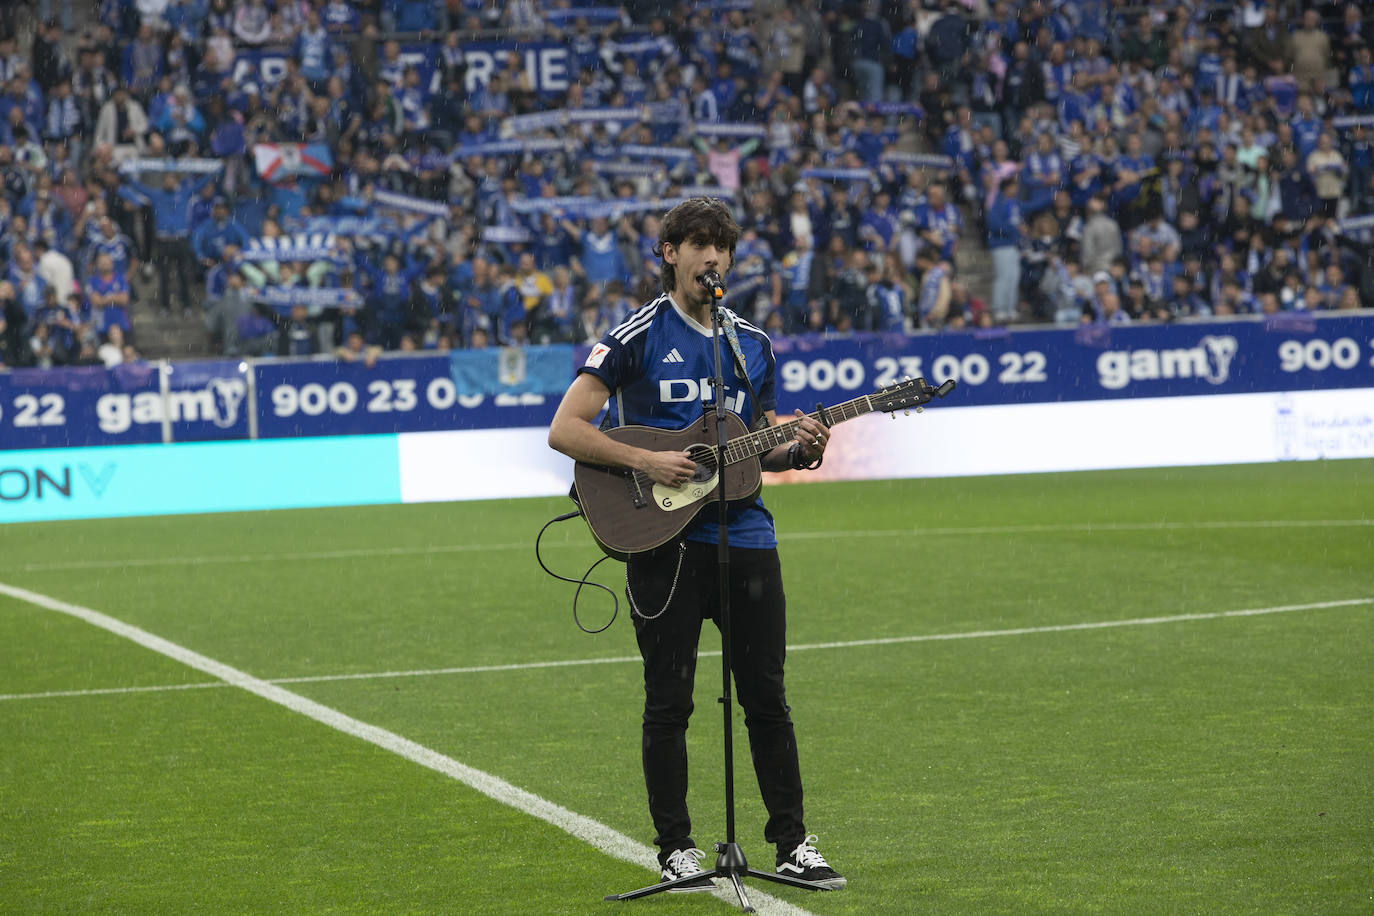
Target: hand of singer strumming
x=812 y=435
x=672 y=469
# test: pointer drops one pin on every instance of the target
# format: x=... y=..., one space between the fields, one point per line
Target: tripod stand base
x=730 y=863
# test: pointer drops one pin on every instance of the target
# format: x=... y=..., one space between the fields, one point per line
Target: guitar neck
x=765 y=440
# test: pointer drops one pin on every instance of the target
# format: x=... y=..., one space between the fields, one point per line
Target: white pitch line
x=1087 y=527
x=103 y=691
x=606 y=839
x=264 y=557
x=364 y=552
x=1092 y=625
x=802 y=647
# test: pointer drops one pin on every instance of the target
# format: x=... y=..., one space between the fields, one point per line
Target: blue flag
x=513 y=370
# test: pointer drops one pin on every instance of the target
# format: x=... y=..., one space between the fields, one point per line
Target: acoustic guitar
x=629 y=513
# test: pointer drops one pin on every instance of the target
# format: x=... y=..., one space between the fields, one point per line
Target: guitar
x=629 y=513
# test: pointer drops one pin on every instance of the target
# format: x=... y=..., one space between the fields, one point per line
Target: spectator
x=1328 y=170
x=180 y=123
x=28 y=284
x=850 y=309
x=430 y=306
x=60 y=325
x=63 y=120
x=388 y=302
x=887 y=300
x=1296 y=195
x=53 y=266
x=705 y=106
x=231 y=311
x=297 y=335
x=1267 y=43
x=871 y=49
x=143 y=62
x=800 y=289
x=552 y=320
x=787 y=45
x=1101 y=237
x=1004 y=240
x=947 y=43
x=1191 y=120
x=1311 y=53
x=600 y=260
x=113 y=350
x=13 y=322
x=593 y=321
x=933 y=306
x=939 y=223
x=213 y=235
x=818 y=95
x=171 y=249
x=356 y=349
x=109 y=241
x=42 y=352
x=123 y=125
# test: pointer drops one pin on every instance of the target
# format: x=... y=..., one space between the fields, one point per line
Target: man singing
x=647 y=363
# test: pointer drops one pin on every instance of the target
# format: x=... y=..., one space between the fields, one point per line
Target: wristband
x=794 y=459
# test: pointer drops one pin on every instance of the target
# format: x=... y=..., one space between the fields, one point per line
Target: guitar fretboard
x=765 y=440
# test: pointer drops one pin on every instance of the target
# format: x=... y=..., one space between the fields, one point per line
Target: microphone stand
x=730 y=861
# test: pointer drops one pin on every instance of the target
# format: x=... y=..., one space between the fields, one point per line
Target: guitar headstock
x=906 y=394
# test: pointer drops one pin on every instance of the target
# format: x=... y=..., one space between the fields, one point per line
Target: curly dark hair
x=702 y=220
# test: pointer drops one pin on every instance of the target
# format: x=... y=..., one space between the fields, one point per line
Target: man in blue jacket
x=388 y=302
x=171 y=206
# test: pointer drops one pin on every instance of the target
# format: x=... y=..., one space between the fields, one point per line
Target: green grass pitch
x=1220 y=764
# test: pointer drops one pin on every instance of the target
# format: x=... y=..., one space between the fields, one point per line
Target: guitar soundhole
x=705 y=457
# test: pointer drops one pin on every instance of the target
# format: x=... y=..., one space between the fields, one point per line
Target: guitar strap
x=727 y=323
x=619 y=413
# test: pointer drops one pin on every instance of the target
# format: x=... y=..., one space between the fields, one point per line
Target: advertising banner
x=1097 y=362
x=514 y=388
x=207 y=400
x=123 y=406
x=63 y=483
x=415 y=394
x=86 y=406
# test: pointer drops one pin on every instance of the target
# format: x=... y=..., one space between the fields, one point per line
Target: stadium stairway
x=973 y=263
x=169 y=336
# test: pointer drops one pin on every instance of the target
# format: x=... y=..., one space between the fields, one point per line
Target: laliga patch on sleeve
x=597 y=356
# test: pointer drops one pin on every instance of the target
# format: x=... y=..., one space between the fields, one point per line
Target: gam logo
x=219 y=402
x=1210 y=360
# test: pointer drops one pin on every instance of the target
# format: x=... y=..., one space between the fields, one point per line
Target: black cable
x=580 y=583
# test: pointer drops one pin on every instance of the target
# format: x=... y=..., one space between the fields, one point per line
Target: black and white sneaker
x=806 y=862
x=683 y=863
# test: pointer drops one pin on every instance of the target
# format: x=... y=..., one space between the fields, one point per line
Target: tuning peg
x=906 y=413
x=920 y=410
x=893 y=415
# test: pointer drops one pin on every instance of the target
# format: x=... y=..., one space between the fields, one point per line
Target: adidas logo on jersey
x=673 y=356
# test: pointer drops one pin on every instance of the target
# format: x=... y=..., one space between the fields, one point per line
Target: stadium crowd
x=327 y=176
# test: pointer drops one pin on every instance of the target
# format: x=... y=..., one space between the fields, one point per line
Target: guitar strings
x=705 y=455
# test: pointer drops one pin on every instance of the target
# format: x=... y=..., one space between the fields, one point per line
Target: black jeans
x=174 y=258
x=668 y=645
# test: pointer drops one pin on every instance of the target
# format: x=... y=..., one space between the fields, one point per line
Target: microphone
x=711 y=280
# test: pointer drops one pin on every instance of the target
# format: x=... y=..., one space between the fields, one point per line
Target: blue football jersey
x=660 y=363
